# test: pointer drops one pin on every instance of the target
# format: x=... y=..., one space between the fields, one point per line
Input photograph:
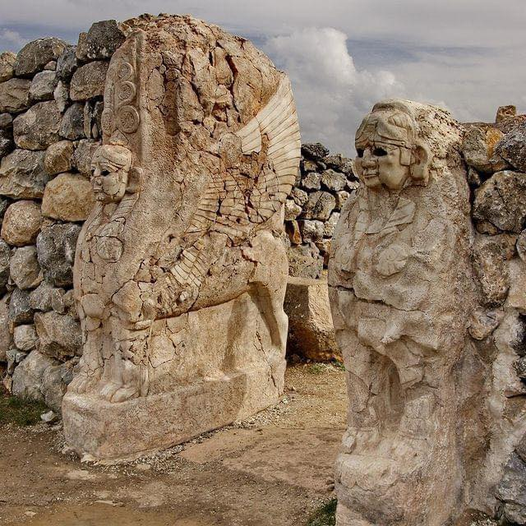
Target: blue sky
x=342 y=55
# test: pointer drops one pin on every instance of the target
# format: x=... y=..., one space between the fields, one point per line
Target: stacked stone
x=50 y=110
x=496 y=156
x=323 y=185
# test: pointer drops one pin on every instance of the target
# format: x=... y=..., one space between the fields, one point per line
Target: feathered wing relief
x=235 y=204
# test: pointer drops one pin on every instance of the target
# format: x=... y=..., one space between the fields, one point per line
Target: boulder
x=312 y=181
x=311 y=332
x=14 y=95
x=334 y=181
x=512 y=490
x=22 y=175
x=517 y=278
x=330 y=224
x=24 y=268
x=61 y=95
x=19 y=310
x=300 y=196
x=83 y=154
x=305 y=261
x=311 y=230
x=72 y=124
x=500 y=201
x=7 y=65
x=68 y=197
x=59 y=335
x=478 y=148
x=512 y=147
x=43 y=85
x=67 y=63
x=315 y=151
x=5 y=333
x=292 y=210
x=55 y=381
x=38 y=127
x=21 y=223
x=6 y=121
x=56 y=253
x=59 y=157
x=100 y=42
x=319 y=206
x=28 y=376
x=505 y=113
x=92 y=118
x=88 y=81
x=35 y=55
x=25 y=337
x=5 y=255
x=46 y=297
x=6 y=142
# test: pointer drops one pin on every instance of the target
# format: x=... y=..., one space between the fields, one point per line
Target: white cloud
x=10 y=38
x=332 y=95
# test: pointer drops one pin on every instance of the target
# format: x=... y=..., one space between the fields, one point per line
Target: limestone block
x=35 y=55
x=46 y=297
x=38 y=127
x=61 y=95
x=21 y=223
x=100 y=42
x=22 y=175
x=517 y=278
x=7 y=65
x=6 y=142
x=88 y=81
x=305 y=261
x=24 y=268
x=56 y=253
x=43 y=85
x=314 y=151
x=68 y=197
x=311 y=332
x=59 y=335
x=5 y=333
x=28 y=376
x=55 y=380
x=25 y=337
x=59 y=157
x=500 y=201
x=319 y=206
x=292 y=210
x=331 y=180
x=330 y=224
x=311 y=230
x=72 y=124
x=83 y=155
x=19 y=310
x=5 y=255
x=300 y=196
x=14 y=95
x=478 y=148
x=312 y=181
x=511 y=147
x=67 y=63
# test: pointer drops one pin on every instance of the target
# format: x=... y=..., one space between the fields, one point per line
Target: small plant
x=325 y=515
x=317 y=368
x=20 y=412
x=337 y=364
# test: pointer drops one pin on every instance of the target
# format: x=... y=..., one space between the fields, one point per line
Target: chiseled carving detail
x=401 y=296
x=181 y=270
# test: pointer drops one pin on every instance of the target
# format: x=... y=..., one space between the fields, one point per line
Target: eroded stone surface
x=59 y=335
x=38 y=127
x=21 y=223
x=68 y=197
x=35 y=55
x=23 y=175
x=24 y=268
x=7 y=65
x=100 y=42
x=156 y=264
x=14 y=95
x=59 y=157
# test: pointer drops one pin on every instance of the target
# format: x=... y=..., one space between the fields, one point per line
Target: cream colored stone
x=21 y=224
x=180 y=269
x=68 y=197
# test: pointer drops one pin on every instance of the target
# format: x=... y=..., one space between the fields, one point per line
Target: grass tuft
x=20 y=412
x=325 y=515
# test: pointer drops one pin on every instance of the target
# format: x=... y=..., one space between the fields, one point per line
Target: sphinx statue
x=401 y=292
x=181 y=269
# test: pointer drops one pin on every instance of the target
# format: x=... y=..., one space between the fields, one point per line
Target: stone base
x=121 y=431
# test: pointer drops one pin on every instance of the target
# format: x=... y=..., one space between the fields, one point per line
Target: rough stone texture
x=14 y=95
x=7 y=65
x=24 y=268
x=83 y=155
x=100 y=42
x=5 y=333
x=35 y=55
x=19 y=310
x=332 y=180
x=55 y=381
x=59 y=335
x=66 y=64
x=311 y=230
x=512 y=490
x=511 y=148
x=479 y=148
x=6 y=142
x=38 y=127
x=500 y=201
x=319 y=206
x=22 y=175
x=68 y=197
x=25 y=337
x=59 y=157
x=88 y=81
x=61 y=95
x=210 y=257
x=72 y=124
x=29 y=375
x=46 y=297
x=5 y=255
x=21 y=223
x=43 y=85
x=6 y=121
x=311 y=332
x=305 y=261
x=521 y=245
x=56 y=252
x=401 y=292
x=314 y=151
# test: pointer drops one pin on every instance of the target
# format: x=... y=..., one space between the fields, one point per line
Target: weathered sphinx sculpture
x=180 y=271
x=401 y=295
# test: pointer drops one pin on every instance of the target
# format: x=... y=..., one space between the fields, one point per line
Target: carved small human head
x=389 y=151
x=110 y=166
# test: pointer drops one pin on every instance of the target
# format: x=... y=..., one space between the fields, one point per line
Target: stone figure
x=401 y=294
x=181 y=269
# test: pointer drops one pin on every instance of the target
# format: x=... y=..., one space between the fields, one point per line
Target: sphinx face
x=110 y=167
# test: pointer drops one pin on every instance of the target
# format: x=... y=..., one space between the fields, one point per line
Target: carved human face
x=110 y=167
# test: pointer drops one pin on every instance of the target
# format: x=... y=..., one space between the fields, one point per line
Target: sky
x=468 y=56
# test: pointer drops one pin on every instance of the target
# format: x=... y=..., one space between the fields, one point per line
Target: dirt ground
x=272 y=470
